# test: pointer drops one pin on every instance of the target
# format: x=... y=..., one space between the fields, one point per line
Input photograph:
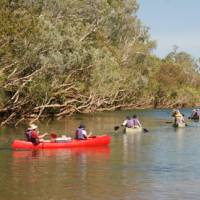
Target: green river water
x=159 y=165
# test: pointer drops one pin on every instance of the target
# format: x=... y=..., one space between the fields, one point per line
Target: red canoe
x=93 y=141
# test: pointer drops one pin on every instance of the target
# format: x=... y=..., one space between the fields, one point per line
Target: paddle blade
x=145 y=130
x=116 y=128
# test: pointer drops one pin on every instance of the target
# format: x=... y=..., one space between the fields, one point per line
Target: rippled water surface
x=161 y=164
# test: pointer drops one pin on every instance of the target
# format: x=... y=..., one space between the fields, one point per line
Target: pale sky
x=172 y=22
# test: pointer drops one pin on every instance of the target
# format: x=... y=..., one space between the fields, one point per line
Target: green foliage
x=178 y=82
x=106 y=77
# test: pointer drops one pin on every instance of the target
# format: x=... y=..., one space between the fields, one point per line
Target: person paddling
x=136 y=122
x=195 y=114
x=81 y=133
x=32 y=135
x=132 y=123
x=128 y=122
x=178 y=117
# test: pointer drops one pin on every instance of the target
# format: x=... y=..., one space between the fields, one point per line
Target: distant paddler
x=179 y=120
x=195 y=114
x=133 y=125
x=136 y=126
x=136 y=122
x=128 y=122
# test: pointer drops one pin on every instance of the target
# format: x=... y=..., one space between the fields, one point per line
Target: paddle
x=145 y=130
x=117 y=127
x=169 y=122
x=195 y=119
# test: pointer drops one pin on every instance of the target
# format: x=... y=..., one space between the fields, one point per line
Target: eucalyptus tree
x=177 y=81
x=58 y=57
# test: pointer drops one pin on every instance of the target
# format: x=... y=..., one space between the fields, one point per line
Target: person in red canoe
x=81 y=133
x=32 y=135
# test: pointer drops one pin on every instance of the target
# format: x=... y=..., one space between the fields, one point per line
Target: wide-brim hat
x=32 y=127
x=178 y=114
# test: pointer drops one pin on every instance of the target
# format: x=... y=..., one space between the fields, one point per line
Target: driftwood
x=19 y=109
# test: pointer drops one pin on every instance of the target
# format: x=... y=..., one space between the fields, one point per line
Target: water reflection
x=180 y=137
x=131 y=143
x=63 y=170
x=162 y=164
x=96 y=152
x=131 y=155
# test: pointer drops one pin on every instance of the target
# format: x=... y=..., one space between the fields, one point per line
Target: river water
x=161 y=164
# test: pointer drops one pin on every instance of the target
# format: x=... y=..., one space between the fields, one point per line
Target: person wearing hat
x=81 y=133
x=195 y=114
x=33 y=136
x=178 y=117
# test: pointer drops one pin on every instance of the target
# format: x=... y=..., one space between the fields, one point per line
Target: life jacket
x=135 y=122
x=195 y=114
x=32 y=137
x=129 y=123
x=179 y=118
x=28 y=135
x=79 y=134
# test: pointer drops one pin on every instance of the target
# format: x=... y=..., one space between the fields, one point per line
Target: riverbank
x=31 y=117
